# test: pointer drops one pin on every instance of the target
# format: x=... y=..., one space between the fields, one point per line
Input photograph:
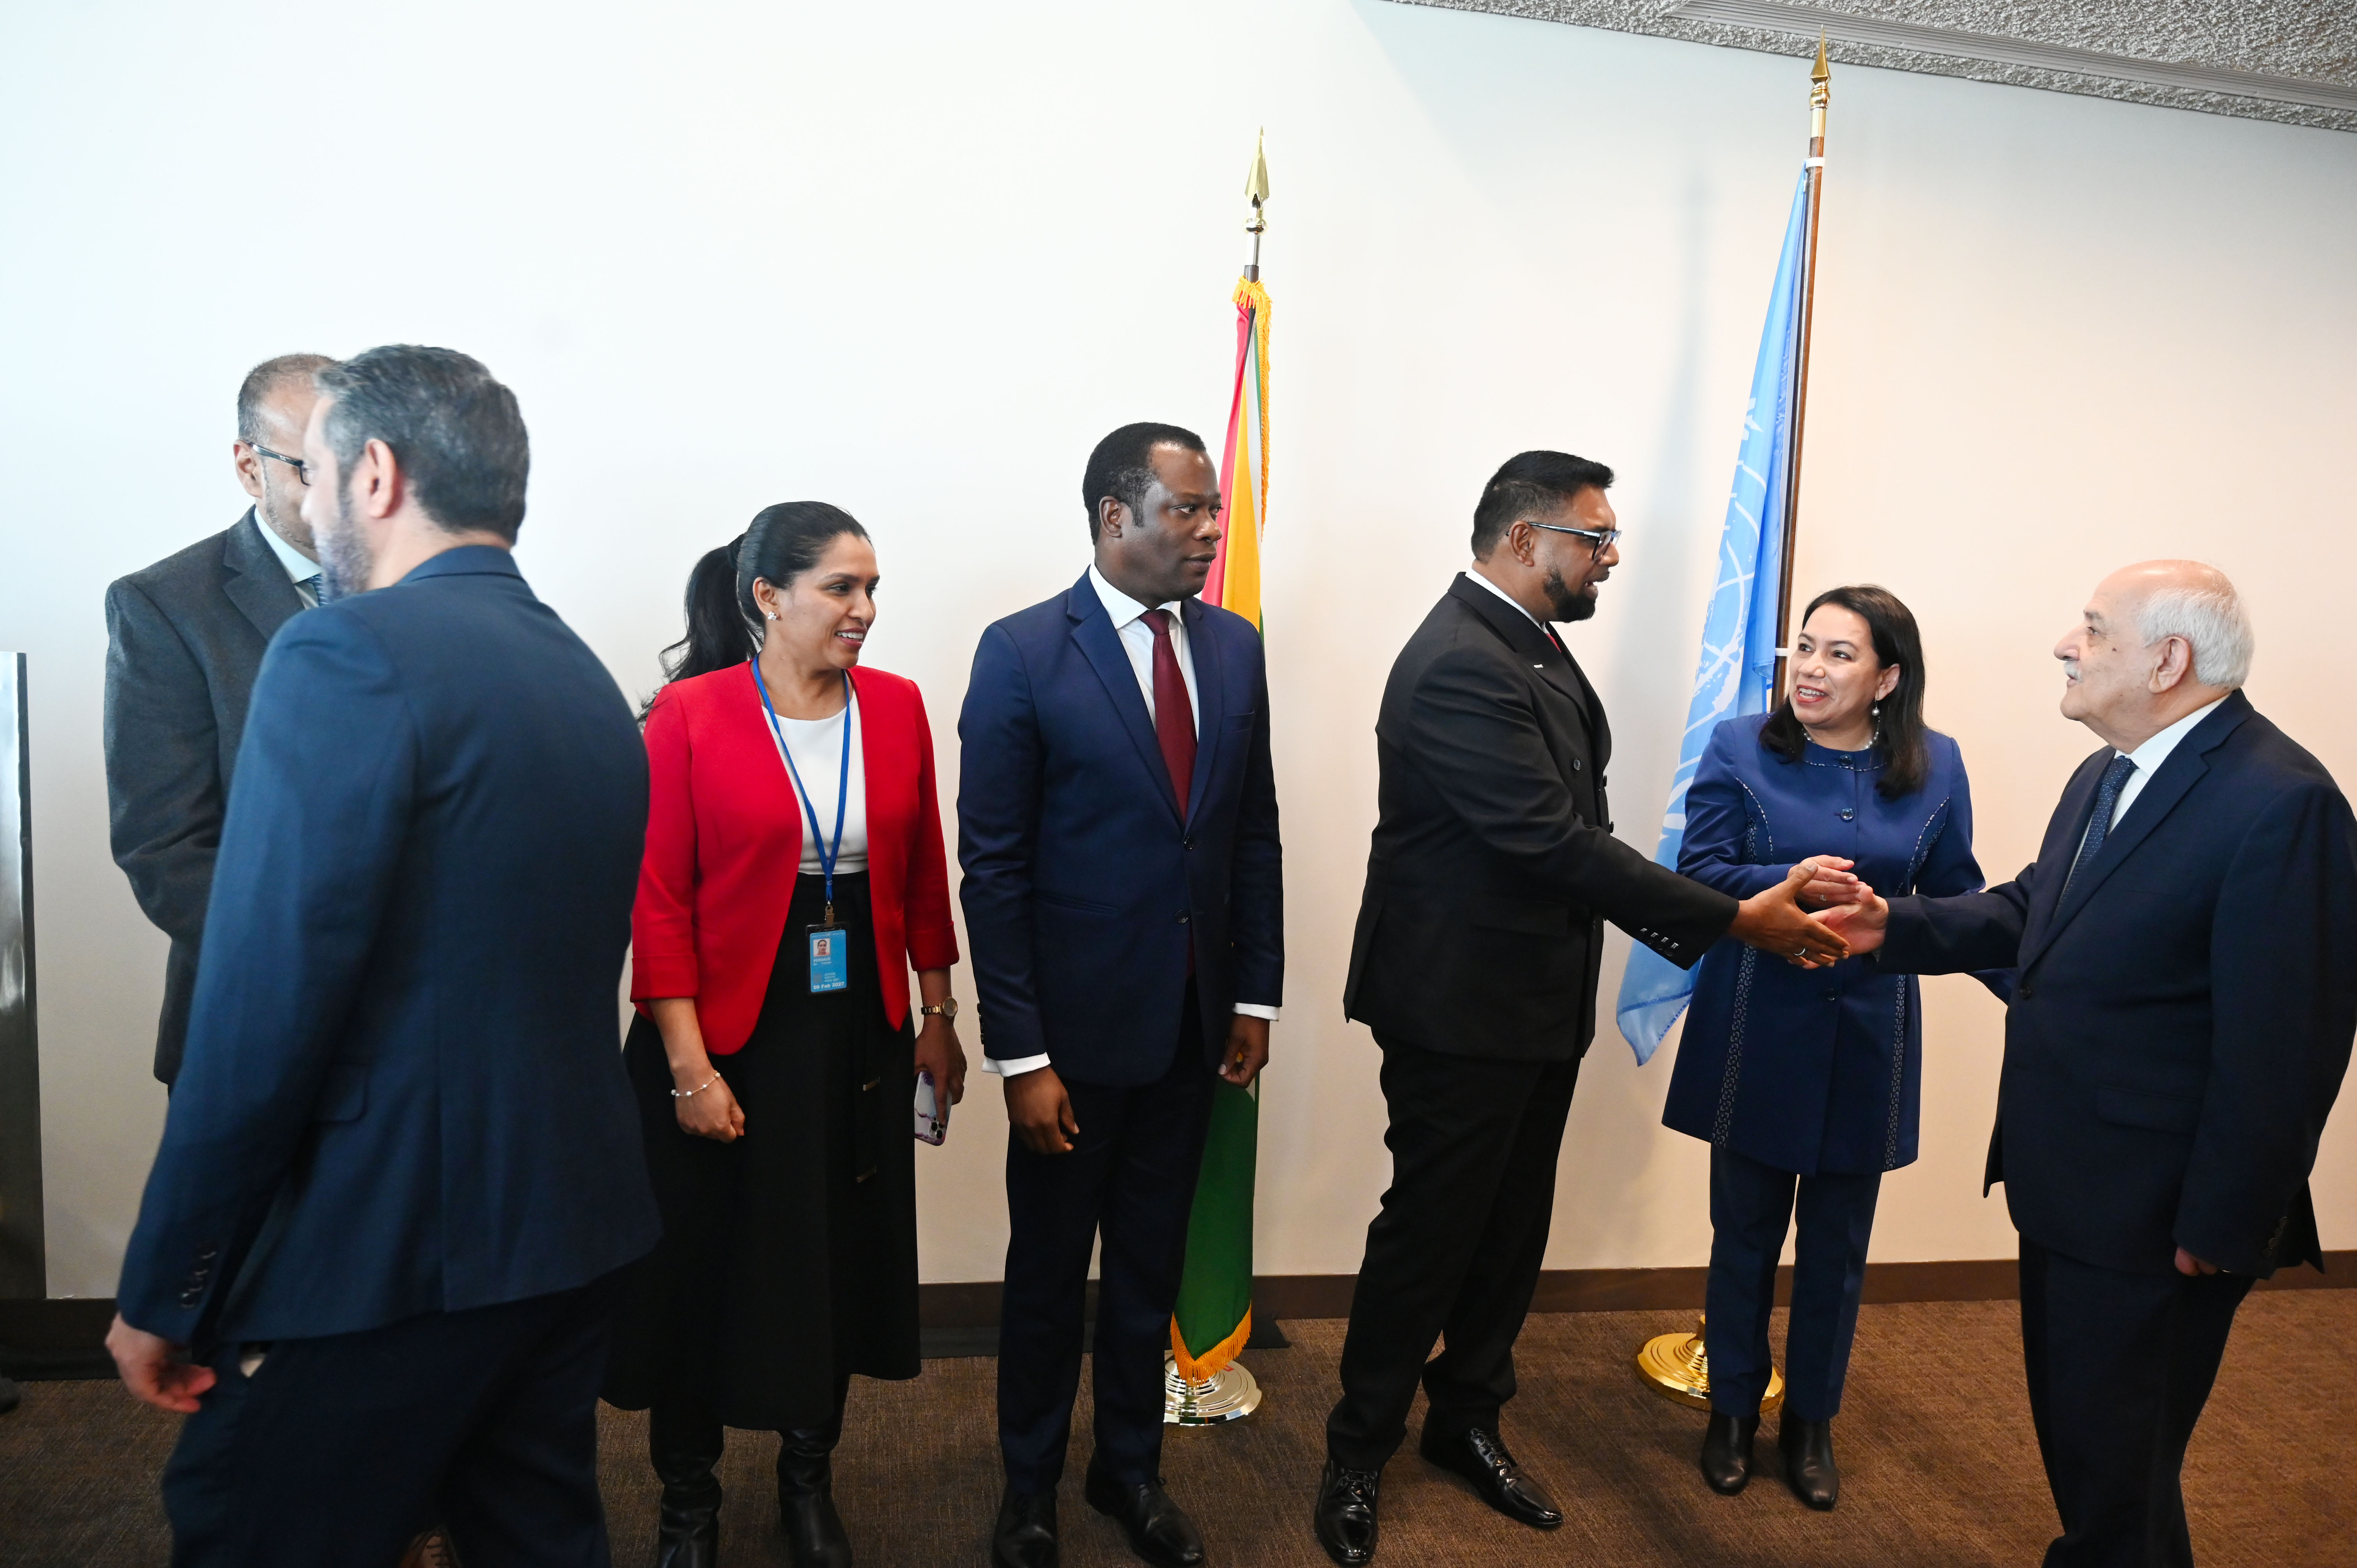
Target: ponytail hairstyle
x=717 y=635
x=724 y=622
x=1899 y=749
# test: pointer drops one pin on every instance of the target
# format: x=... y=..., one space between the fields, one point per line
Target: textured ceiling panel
x=2289 y=61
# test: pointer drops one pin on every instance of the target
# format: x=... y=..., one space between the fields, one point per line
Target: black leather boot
x=1809 y=1470
x=1727 y=1452
x=685 y=1442
x=815 y=1533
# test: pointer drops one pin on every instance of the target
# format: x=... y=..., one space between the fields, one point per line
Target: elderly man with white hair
x=2186 y=946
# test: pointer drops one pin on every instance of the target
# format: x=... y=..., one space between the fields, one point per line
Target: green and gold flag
x=1213 y=1316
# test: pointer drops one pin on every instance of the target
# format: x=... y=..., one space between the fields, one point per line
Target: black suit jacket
x=2184 y=1013
x=1493 y=866
x=184 y=639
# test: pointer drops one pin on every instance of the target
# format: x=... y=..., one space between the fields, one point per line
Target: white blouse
x=817 y=749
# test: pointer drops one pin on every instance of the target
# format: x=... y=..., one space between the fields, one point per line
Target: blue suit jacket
x=2183 y=1014
x=1810 y=1070
x=1083 y=886
x=403 y=1091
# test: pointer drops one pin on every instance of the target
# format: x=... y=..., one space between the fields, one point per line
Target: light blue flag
x=1737 y=666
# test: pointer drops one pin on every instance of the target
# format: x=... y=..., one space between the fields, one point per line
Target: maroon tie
x=1174 y=716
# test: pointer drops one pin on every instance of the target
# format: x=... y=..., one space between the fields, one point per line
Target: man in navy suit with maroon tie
x=1125 y=908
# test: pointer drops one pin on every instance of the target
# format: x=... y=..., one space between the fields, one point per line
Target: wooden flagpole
x=1820 y=92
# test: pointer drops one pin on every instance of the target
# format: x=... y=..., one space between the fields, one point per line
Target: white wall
x=915 y=260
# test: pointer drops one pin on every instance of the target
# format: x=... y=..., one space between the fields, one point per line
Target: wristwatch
x=947 y=1009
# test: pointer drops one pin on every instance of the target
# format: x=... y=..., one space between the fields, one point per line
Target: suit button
x=1187 y=843
x=2025 y=993
x=1182 y=917
x=190 y=1298
x=1833 y=995
x=1847 y=814
x=1574 y=765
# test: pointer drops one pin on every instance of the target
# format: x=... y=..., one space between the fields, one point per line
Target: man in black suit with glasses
x=184 y=639
x=1493 y=872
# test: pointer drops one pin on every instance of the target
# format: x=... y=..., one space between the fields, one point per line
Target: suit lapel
x=2178 y=775
x=256 y=584
x=1523 y=638
x=1599 y=732
x=1210 y=699
x=2070 y=815
x=1093 y=630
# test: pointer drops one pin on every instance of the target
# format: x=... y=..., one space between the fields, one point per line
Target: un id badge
x=830 y=959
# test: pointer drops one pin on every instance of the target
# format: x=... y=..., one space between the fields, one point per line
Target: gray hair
x=267 y=378
x=2208 y=614
x=456 y=432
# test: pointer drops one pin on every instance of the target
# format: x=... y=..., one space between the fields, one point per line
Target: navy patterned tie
x=2107 y=801
x=317 y=582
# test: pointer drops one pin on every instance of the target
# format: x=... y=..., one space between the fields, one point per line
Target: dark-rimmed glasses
x=302 y=470
x=1602 y=539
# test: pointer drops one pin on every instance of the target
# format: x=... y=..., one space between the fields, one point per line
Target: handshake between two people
x=1849 y=916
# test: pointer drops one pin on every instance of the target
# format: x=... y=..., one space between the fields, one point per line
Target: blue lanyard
x=827 y=853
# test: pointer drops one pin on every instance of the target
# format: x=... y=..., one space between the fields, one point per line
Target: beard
x=345 y=559
x=1567 y=603
x=283 y=513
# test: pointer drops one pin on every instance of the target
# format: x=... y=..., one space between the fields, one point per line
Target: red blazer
x=724 y=841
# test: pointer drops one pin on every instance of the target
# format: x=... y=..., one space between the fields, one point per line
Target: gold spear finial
x=1256 y=184
x=1821 y=91
x=1256 y=192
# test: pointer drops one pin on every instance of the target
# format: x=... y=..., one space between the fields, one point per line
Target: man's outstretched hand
x=1774 y=921
x=1862 y=924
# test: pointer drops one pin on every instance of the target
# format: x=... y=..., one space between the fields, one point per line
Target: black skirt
x=789 y=1258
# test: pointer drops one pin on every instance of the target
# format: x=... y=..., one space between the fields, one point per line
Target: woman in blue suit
x=1806 y=1081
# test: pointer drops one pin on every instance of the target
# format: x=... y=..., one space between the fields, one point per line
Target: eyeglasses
x=1603 y=539
x=302 y=470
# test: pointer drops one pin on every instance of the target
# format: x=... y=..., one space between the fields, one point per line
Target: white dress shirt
x=300 y=568
x=2148 y=759
x=1474 y=575
x=1128 y=618
x=817 y=749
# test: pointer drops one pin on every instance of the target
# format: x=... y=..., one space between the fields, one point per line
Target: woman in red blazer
x=774 y=1056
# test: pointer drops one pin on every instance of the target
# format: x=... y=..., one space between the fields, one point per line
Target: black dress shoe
x=1477 y=1454
x=1159 y=1529
x=1024 y=1536
x=1345 y=1515
x=1808 y=1448
x=1727 y=1452
x=814 y=1532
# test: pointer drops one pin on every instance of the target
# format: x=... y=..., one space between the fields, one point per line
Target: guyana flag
x=1213 y=1316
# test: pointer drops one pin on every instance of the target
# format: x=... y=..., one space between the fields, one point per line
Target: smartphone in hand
x=933 y=1111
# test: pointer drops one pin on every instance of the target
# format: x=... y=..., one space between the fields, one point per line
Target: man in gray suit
x=184 y=638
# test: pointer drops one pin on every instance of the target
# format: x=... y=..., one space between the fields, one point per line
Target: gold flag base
x=1676 y=1366
x=1231 y=1394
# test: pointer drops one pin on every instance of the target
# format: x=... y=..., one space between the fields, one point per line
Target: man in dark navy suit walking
x=401 y=1159
x=2178 y=1031
x=1124 y=904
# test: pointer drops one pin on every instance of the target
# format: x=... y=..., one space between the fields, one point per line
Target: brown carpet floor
x=1938 y=1463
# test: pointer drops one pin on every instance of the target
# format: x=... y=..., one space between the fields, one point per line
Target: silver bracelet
x=699 y=1089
